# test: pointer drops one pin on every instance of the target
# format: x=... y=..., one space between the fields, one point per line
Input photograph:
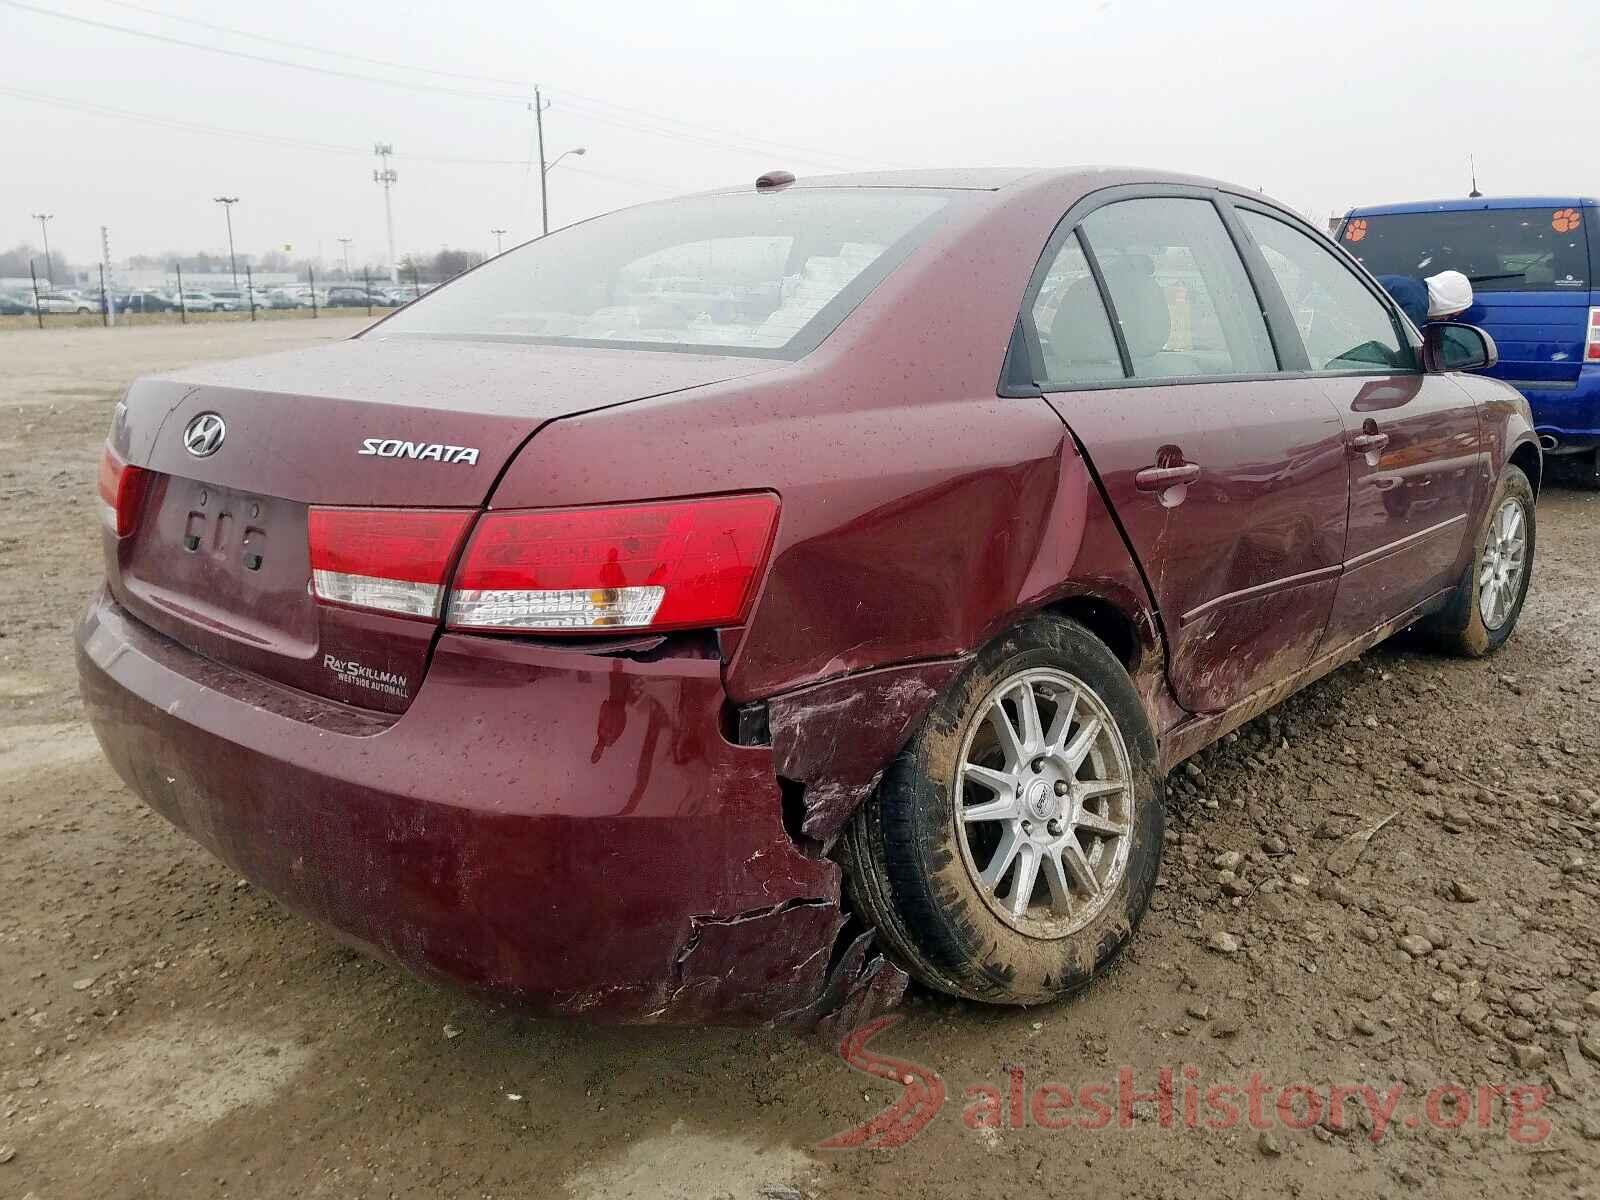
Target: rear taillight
x=676 y=564
x=122 y=491
x=389 y=559
x=1591 y=348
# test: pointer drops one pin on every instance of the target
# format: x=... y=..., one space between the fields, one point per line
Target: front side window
x=1179 y=289
x=1075 y=338
x=1343 y=325
x=747 y=273
x=1499 y=250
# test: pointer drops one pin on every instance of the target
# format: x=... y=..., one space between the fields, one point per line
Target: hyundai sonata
x=720 y=609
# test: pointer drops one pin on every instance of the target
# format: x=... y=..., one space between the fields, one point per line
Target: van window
x=1500 y=250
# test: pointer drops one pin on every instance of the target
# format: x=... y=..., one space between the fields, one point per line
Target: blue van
x=1533 y=262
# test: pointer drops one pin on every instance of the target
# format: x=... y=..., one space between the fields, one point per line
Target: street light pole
x=387 y=177
x=544 y=198
x=345 y=242
x=545 y=169
x=499 y=244
x=49 y=268
x=227 y=203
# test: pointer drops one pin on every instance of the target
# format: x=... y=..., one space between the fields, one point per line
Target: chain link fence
x=41 y=305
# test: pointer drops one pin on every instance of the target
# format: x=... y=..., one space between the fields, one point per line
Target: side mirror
x=1456 y=346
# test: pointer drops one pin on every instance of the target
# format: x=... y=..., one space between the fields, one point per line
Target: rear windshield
x=763 y=274
x=1500 y=250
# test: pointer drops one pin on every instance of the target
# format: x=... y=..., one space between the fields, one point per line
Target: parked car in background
x=230 y=300
x=194 y=301
x=13 y=304
x=1532 y=261
x=586 y=639
x=145 y=300
x=351 y=297
x=66 y=302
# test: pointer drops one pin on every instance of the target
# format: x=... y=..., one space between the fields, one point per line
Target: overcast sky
x=1369 y=102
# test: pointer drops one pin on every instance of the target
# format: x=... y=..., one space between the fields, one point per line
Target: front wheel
x=1013 y=846
x=1489 y=600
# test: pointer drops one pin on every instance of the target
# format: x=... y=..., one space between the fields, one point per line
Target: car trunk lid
x=220 y=560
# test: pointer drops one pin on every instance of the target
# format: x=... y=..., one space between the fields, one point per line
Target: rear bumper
x=567 y=831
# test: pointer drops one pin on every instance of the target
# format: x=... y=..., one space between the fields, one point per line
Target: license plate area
x=228 y=561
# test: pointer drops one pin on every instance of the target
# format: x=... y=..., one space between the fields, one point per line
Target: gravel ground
x=168 y=1031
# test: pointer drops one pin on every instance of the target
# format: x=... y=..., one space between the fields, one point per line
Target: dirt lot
x=168 y=1031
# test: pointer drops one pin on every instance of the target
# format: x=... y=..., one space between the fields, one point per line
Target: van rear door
x=1529 y=266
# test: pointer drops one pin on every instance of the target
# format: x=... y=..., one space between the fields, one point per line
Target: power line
x=657 y=122
x=261 y=58
x=291 y=45
x=577 y=98
x=301 y=143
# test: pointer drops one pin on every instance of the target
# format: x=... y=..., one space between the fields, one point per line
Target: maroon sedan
x=721 y=608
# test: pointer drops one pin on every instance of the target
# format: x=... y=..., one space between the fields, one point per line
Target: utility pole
x=107 y=277
x=227 y=203
x=387 y=177
x=345 y=242
x=499 y=244
x=544 y=198
x=49 y=268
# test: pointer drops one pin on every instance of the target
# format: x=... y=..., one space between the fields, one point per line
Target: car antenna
x=773 y=180
x=1472 y=166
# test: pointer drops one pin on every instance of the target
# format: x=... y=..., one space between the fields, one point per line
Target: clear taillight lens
x=1591 y=347
x=675 y=564
x=122 y=490
x=393 y=560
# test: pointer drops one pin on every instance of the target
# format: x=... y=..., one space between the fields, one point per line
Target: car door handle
x=1367 y=443
x=1159 y=479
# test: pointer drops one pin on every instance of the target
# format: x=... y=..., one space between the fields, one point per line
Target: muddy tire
x=1489 y=599
x=1012 y=847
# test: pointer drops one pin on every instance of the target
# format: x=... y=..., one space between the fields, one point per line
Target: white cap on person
x=1449 y=293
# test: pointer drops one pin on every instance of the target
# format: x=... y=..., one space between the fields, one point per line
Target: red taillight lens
x=389 y=559
x=1591 y=348
x=676 y=564
x=122 y=491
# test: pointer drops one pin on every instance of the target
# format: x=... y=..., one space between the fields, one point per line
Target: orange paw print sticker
x=1355 y=231
x=1565 y=220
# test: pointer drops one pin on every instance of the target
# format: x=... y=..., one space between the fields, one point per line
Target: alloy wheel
x=1045 y=803
x=1505 y=556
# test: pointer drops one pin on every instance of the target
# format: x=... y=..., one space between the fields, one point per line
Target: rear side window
x=1075 y=335
x=1179 y=290
x=1500 y=250
x=1343 y=325
x=747 y=273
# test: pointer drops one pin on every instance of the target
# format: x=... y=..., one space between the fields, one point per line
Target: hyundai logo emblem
x=203 y=435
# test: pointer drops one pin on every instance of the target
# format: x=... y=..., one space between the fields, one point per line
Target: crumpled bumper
x=568 y=831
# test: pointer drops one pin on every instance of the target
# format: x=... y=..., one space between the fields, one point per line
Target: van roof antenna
x=1472 y=166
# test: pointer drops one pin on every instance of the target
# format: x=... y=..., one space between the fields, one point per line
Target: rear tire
x=1486 y=605
x=1029 y=900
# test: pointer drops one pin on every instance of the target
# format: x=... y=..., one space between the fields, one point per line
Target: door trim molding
x=1394 y=547
x=1272 y=585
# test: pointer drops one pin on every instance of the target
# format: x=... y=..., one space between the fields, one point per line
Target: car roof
x=1474 y=204
x=993 y=179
